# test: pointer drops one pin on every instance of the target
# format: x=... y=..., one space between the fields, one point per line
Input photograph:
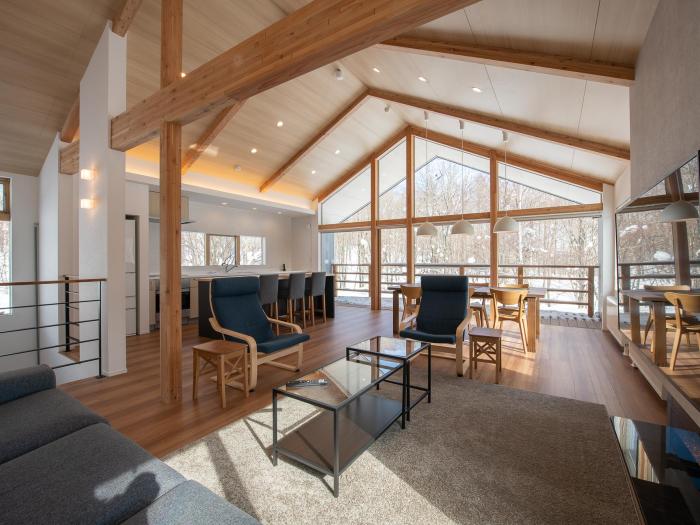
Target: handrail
x=62 y=281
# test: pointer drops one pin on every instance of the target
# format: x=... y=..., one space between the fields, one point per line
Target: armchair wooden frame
x=261 y=358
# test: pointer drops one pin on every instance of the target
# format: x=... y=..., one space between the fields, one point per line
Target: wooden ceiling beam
x=621 y=75
x=122 y=20
x=316 y=139
x=209 y=134
x=503 y=124
x=573 y=209
x=316 y=35
x=359 y=166
x=68 y=158
x=72 y=123
x=519 y=161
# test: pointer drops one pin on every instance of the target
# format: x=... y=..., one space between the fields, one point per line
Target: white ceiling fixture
x=339 y=74
x=224 y=203
x=280 y=123
x=254 y=150
x=679 y=211
x=426 y=229
x=505 y=224
x=477 y=89
x=183 y=74
x=422 y=79
x=254 y=208
x=313 y=172
x=337 y=152
x=462 y=227
x=376 y=69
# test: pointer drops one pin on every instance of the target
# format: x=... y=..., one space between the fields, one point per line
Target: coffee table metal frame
x=337 y=468
x=421 y=347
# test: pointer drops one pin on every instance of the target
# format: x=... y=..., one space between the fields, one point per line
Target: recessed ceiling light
x=279 y=213
x=254 y=208
x=422 y=79
x=313 y=172
x=337 y=152
x=254 y=150
x=224 y=203
x=280 y=123
x=183 y=74
x=376 y=70
x=476 y=89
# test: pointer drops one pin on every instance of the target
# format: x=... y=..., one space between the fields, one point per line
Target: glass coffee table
x=353 y=415
x=405 y=350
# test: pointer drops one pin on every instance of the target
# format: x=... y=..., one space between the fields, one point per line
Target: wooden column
x=170 y=195
x=410 y=212
x=493 y=215
x=375 y=261
x=681 y=252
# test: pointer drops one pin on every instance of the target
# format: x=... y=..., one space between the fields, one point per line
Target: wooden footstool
x=487 y=342
x=229 y=359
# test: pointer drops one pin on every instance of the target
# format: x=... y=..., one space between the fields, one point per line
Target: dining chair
x=479 y=308
x=315 y=287
x=519 y=286
x=509 y=305
x=686 y=308
x=411 y=300
x=669 y=316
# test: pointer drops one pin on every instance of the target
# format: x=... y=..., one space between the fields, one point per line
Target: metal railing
x=49 y=324
x=570 y=285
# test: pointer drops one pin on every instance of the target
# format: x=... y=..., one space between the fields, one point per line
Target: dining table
x=534 y=296
x=658 y=302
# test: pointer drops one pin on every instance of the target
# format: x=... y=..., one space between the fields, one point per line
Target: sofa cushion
x=35 y=420
x=418 y=335
x=281 y=342
x=25 y=381
x=94 y=475
x=188 y=504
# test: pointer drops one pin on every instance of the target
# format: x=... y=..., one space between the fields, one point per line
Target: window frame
x=5 y=212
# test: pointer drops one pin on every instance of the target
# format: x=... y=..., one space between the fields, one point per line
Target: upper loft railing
x=52 y=322
x=568 y=285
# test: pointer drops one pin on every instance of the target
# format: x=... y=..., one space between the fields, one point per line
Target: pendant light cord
x=461 y=188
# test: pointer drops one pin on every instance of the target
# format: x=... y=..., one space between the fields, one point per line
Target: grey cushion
x=25 y=381
x=94 y=476
x=33 y=421
x=191 y=504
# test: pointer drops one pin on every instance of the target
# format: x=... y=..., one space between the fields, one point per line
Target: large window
x=222 y=249
x=5 y=245
x=446 y=253
x=193 y=248
x=348 y=256
x=351 y=202
x=252 y=250
x=392 y=183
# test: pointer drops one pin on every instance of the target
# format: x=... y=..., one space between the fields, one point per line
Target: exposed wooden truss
x=597 y=71
x=502 y=123
x=72 y=123
x=316 y=139
x=69 y=159
x=209 y=134
x=122 y=21
x=315 y=35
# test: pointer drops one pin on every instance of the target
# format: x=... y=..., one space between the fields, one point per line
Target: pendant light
x=426 y=229
x=505 y=224
x=462 y=227
x=679 y=211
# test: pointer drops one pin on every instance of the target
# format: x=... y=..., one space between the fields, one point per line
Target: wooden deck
x=572 y=362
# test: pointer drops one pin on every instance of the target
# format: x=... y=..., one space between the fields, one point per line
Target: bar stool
x=268 y=294
x=316 y=287
x=487 y=342
x=292 y=291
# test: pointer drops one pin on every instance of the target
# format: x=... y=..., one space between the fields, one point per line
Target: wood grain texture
x=593 y=369
x=72 y=123
x=122 y=20
x=617 y=74
x=493 y=217
x=410 y=211
x=333 y=124
x=69 y=159
x=209 y=135
x=621 y=152
x=313 y=36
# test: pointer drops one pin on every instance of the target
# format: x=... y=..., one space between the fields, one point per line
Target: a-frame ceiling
x=606 y=30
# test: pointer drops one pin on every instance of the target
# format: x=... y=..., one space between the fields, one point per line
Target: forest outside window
x=221 y=249
x=5 y=246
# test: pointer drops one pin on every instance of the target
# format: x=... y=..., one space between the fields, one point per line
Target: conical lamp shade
x=462 y=228
x=427 y=229
x=505 y=225
x=679 y=211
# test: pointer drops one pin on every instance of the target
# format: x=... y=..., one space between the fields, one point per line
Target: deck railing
x=570 y=285
x=43 y=319
x=635 y=275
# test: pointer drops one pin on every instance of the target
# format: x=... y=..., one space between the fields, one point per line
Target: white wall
x=305 y=243
x=24 y=208
x=210 y=218
x=665 y=96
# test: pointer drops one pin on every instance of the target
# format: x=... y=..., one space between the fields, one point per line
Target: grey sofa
x=62 y=463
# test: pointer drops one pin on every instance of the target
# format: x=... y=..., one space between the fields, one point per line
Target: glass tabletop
x=346 y=379
x=390 y=347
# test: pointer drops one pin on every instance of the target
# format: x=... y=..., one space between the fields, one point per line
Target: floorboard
x=578 y=363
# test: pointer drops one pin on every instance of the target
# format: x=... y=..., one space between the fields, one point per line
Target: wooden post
x=679 y=232
x=493 y=215
x=334 y=269
x=375 y=260
x=626 y=282
x=591 y=290
x=170 y=195
x=521 y=274
x=410 y=212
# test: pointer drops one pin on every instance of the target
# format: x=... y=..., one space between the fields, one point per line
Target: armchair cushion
x=443 y=304
x=412 y=333
x=281 y=342
x=236 y=305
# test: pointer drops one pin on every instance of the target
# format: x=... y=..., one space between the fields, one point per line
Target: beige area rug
x=478 y=453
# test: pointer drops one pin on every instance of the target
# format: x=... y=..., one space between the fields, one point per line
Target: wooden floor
x=576 y=363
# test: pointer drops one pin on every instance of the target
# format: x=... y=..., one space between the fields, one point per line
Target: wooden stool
x=229 y=359
x=487 y=342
